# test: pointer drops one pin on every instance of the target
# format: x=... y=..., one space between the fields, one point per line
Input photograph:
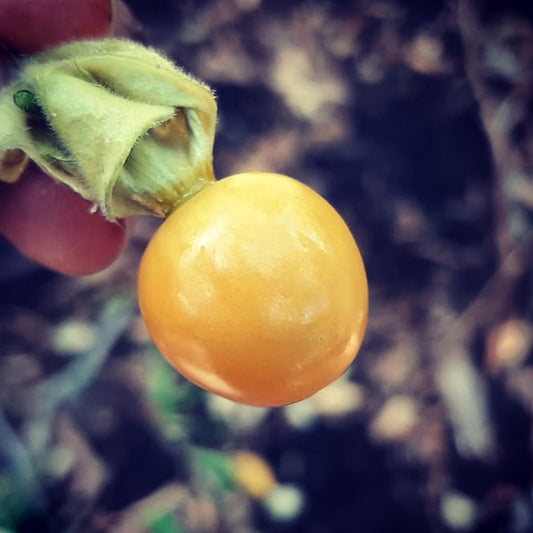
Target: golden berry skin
x=254 y=289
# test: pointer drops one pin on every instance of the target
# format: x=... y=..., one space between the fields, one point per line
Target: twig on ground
x=78 y=375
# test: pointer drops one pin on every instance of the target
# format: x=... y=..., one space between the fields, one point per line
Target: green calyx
x=113 y=120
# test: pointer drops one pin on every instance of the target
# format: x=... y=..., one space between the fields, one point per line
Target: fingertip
x=53 y=226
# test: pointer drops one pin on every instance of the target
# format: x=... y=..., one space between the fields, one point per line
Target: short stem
x=192 y=188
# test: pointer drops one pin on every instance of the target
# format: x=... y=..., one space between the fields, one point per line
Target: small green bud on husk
x=113 y=120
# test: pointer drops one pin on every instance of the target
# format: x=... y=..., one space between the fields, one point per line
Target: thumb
x=54 y=226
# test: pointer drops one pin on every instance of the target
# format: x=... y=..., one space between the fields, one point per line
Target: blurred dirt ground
x=414 y=119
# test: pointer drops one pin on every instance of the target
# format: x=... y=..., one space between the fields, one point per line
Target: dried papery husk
x=12 y=164
x=113 y=120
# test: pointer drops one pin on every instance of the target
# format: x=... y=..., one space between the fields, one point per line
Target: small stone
x=338 y=399
x=458 y=511
x=396 y=365
x=301 y=415
x=509 y=344
x=425 y=55
x=395 y=420
x=253 y=474
x=285 y=503
x=248 y=5
x=238 y=416
x=74 y=337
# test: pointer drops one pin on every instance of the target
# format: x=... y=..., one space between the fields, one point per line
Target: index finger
x=28 y=26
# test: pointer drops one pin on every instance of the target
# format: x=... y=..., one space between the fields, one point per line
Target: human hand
x=43 y=219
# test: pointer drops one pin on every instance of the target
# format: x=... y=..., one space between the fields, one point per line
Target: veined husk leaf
x=114 y=121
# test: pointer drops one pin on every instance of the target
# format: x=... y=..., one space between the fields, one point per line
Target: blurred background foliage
x=414 y=119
